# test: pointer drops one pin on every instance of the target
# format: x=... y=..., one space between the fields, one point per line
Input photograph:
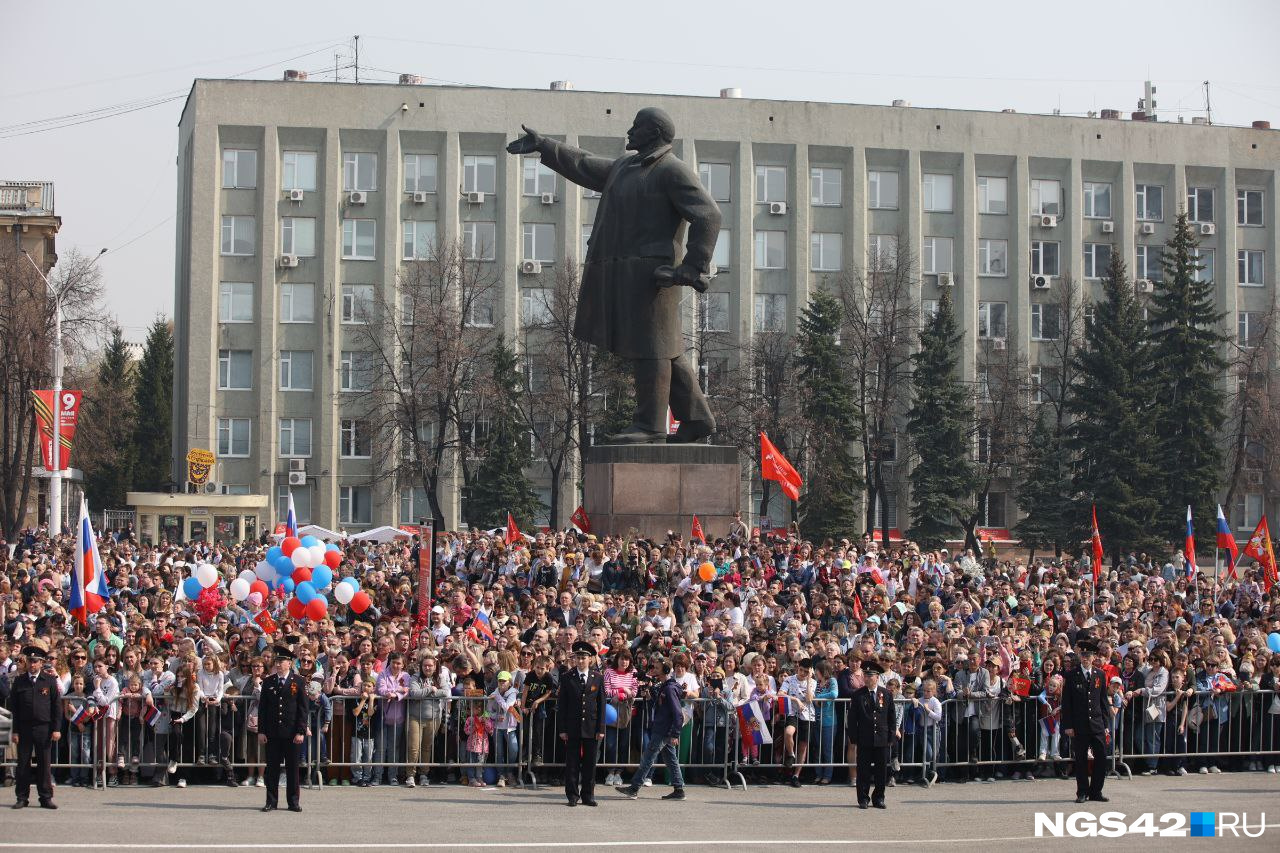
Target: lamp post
x=55 y=449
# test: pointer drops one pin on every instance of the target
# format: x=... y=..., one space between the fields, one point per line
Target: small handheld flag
x=697 y=531
x=513 y=532
x=481 y=627
x=753 y=724
x=1227 y=542
x=1259 y=547
x=150 y=714
x=1097 y=549
x=581 y=520
x=1190 y=548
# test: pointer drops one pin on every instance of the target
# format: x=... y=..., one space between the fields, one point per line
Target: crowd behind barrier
x=158 y=690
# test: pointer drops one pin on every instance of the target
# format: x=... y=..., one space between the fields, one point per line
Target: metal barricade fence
x=983 y=738
x=71 y=757
x=1194 y=730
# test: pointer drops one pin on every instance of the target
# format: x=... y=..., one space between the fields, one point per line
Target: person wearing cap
x=37 y=720
x=282 y=726
x=504 y=708
x=1086 y=719
x=873 y=721
x=580 y=706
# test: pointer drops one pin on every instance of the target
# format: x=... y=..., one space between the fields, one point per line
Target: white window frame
x=535 y=305
x=357 y=303
x=826 y=251
x=993 y=317
x=769 y=312
x=227 y=359
x=995 y=499
x=537 y=178
x=1242 y=208
x=289 y=438
x=937 y=255
x=993 y=257
x=239 y=165
x=234 y=231
x=1040 y=258
x=298 y=236
x=359 y=239
x=477 y=245
x=1248 y=323
x=291 y=362
x=1039 y=312
x=826 y=186
x=416 y=178
x=987 y=201
x=227 y=439
x=878 y=195
x=1046 y=197
x=359 y=171
x=235 y=302
x=417 y=239
x=881 y=250
x=480 y=174
x=708 y=171
x=483 y=311
x=1204 y=257
x=711 y=311
x=1247 y=262
x=937 y=192
x=1247 y=511
x=1195 y=200
x=1142 y=201
x=1041 y=391
x=538 y=242
x=355 y=505
x=1096 y=259
x=584 y=241
x=771 y=184
x=290 y=293
x=298 y=171
x=349 y=370
x=1096 y=196
x=351 y=431
x=1146 y=262
x=722 y=254
x=770 y=250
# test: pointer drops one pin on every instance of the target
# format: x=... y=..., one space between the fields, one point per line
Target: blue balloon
x=321 y=576
x=355 y=584
x=1273 y=642
x=304 y=592
x=309 y=541
x=191 y=588
x=283 y=565
x=610 y=715
x=287 y=584
x=332 y=547
x=274 y=553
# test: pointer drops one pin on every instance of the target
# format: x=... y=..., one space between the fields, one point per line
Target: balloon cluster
x=303 y=569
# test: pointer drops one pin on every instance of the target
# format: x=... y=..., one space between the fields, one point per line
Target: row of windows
x=294 y=438
x=297 y=370
x=479 y=174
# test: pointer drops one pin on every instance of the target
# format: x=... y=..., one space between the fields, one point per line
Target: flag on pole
x=581 y=520
x=672 y=423
x=1190 y=548
x=1227 y=542
x=291 y=521
x=513 y=532
x=774 y=466
x=1097 y=549
x=480 y=626
x=88 y=582
x=753 y=724
x=697 y=531
x=1259 y=547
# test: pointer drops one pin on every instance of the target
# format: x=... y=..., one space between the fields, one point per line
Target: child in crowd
x=477 y=728
x=132 y=725
x=321 y=717
x=1050 y=719
x=80 y=744
x=362 y=734
x=504 y=710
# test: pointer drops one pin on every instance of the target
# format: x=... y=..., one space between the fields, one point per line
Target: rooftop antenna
x=357 y=38
x=1208 y=112
x=335 y=66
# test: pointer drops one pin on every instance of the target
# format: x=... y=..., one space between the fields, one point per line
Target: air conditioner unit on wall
x=530 y=267
x=999 y=344
x=419 y=198
x=1147 y=227
x=211 y=488
x=288 y=261
x=1108 y=227
x=1004 y=472
x=548 y=198
x=475 y=198
x=297 y=478
x=297 y=195
x=1041 y=282
x=1145 y=285
x=357 y=197
x=778 y=208
x=297 y=465
x=1207 y=229
x=1047 y=220
x=945 y=279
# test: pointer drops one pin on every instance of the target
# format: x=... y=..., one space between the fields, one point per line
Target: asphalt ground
x=986 y=817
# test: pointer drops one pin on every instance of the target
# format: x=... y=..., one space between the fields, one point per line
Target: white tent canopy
x=382 y=534
x=321 y=533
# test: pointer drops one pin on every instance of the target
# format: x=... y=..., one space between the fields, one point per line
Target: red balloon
x=289 y=544
x=260 y=587
x=333 y=559
x=317 y=608
x=360 y=602
x=300 y=574
x=296 y=608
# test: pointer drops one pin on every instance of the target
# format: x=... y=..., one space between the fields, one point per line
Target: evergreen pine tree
x=829 y=504
x=1045 y=493
x=153 y=405
x=1187 y=347
x=1111 y=437
x=109 y=427
x=939 y=426
x=500 y=485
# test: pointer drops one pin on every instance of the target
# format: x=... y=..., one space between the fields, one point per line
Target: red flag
x=1259 y=547
x=774 y=466
x=697 y=531
x=1097 y=549
x=672 y=423
x=580 y=520
x=265 y=622
x=858 y=613
x=513 y=532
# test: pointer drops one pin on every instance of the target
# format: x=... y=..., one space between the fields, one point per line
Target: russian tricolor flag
x=1190 y=548
x=785 y=706
x=291 y=521
x=753 y=724
x=150 y=713
x=88 y=582
x=1228 y=542
x=480 y=622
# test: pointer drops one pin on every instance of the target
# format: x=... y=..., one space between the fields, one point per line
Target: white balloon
x=344 y=592
x=317 y=555
x=207 y=575
x=239 y=589
x=248 y=575
x=301 y=558
x=265 y=571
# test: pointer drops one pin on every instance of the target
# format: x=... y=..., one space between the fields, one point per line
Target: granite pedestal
x=654 y=488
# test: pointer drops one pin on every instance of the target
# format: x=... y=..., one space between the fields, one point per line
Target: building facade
x=296 y=200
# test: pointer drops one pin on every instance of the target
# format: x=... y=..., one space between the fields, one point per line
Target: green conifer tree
x=1045 y=494
x=153 y=405
x=500 y=485
x=109 y=428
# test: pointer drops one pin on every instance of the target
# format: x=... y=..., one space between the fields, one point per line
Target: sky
x=114 y=75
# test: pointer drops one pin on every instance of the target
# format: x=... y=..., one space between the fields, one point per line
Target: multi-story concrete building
x=295 y=199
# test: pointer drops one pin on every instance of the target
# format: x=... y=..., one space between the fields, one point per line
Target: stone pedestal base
x=653 y=488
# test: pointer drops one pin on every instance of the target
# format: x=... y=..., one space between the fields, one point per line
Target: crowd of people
x=459 y=684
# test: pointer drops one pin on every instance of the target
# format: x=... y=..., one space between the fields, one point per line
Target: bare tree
x=1253 y=428
x=26 y=363
x=1056 y=364
x=1001 y=430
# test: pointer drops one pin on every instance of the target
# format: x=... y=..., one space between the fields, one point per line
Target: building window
x=482 y=311
x=359 y=171
x=717 y=180
x=1204 y=259
x=1044 y=384
x=537 y=377
x=771 y=250
x=357 y=303
x=936 y=255
x=713 y=373
x=297 y=302
x=301 y=503
x=1200 y=204
x=235 y=302
x=479 y=240
x=538 y=179
x=539 y=242
x=713 y=311
x=1149 y=202
x=295 y=437
x=1046 y=197
x=886 y=510
x=1249 y=265
x=239 y=169
x=993 y=511
x=298 y=236
x=480 y=174
x=419 y=173
x=419 y=240
x=1249 y=207
x=937 y=192
x=585 y=243
x=993 y=257
x=359 y=239
x=354 y=373
x=993 y=320
x=535 y=305
x=771 y=312
x=1045 y=321
x=356 y=443
x=882 y=190
x=771 y=184
x=1247 y=511
x=825 y=251
x=993 y=195
x=297 y=370
x=355 y=505
x=414 y=505
x=928 y=309
x=1146 y=263
x=1044 y=257
x=1248 y=328
x=720 y=256
x=298 y=171
x=233 y=436
x=1097 y=200
x=237 y=235
x=882 y=250
x=1097 y=257
x=825 y=186
x=235 y=370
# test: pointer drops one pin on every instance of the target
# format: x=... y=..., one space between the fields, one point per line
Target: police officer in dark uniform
x=872 y=719
x=580 y=706
x=1086 y=719
x=37 y=718
x=282 y=725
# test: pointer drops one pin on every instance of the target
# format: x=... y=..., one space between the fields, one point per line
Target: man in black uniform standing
x=37 y=718
x=282 y=724
x=580 y=707
x=1086 y=719
x=872 y=719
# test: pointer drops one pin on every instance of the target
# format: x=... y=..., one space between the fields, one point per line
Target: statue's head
x=652 y=126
